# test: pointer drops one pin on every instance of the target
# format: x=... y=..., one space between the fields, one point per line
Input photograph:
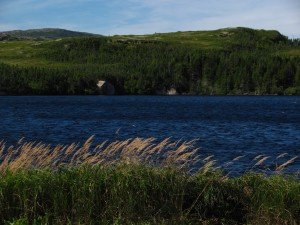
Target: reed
x=179 y=154
x=32 y=155
x=137 y=181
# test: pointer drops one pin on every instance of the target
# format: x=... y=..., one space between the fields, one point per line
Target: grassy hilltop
x=225 y=61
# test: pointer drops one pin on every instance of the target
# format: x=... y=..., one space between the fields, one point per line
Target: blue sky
x=111 y=17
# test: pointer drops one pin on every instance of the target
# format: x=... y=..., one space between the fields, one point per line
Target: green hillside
x=216 y=39
x=225 y=61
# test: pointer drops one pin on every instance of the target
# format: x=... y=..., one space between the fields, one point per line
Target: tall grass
x=136 y=182
x=131 y=193
x=180 y=154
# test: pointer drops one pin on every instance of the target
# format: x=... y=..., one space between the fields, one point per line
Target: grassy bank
x=138 y=181
x=135 y=194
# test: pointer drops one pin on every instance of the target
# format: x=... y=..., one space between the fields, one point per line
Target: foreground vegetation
x=134 y=194
x=138 y=181
x=226 y=61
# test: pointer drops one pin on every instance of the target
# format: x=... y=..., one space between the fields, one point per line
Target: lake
x=226 y=126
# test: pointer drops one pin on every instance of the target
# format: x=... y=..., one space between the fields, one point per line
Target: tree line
x=151 y=67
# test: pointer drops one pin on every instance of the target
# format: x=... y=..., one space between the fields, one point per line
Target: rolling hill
x=225 y=61
x=46 y=33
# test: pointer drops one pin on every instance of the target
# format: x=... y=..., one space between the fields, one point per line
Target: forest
x=239 y=61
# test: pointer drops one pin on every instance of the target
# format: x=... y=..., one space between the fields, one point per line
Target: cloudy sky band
x=111 y=17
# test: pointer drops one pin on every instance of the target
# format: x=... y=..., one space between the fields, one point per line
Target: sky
x=110 y=17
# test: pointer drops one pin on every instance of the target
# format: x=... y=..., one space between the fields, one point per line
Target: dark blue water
x=225 y=126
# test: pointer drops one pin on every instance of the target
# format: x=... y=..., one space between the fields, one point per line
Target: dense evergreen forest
x=235 y=61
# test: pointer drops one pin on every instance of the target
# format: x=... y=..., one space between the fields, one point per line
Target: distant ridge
x=45 y=33
x=179 y=36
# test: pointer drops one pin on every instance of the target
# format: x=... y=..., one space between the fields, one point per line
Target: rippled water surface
x=225 y=126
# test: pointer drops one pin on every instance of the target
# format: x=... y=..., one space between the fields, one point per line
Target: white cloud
x=173 y=15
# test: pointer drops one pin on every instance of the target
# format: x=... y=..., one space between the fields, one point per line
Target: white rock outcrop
x=172 y=91
x=105 y=88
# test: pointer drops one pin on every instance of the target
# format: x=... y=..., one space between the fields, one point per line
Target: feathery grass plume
x=207 y=166
x=238 y=158
x=261 y=161
x=148 y=150
x=208 y=158
x=282 y=155
x=258 y=157
x=180 y=154
x=284 y=165
x=20 y=140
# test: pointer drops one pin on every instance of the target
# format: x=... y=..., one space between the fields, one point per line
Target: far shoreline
x=127 y=95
